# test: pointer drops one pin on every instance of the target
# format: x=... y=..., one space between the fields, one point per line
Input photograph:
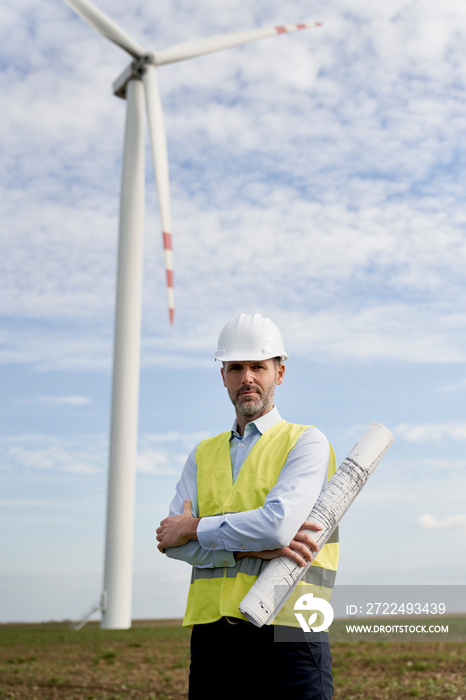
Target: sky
x=317 y=178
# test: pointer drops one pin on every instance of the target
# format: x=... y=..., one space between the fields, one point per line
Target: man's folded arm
x=270 y=527
x=193 y=552
x=287 y=506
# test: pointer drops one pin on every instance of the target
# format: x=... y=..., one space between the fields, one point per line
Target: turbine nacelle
x=131 y=72
x=134 y=71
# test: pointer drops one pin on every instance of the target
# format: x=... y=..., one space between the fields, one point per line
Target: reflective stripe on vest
x=217 y=592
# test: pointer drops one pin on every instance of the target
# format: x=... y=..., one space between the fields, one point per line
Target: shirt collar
x=261 y=424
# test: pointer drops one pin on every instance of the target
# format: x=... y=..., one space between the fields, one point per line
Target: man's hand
x=301 y=548
x=177 y=529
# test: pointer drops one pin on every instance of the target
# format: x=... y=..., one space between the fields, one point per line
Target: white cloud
x=49 y=455
x=158 y=463
x=457 y=386
x=339 y=201
x=162 y=454
x=436 y=464
x=431 y=432
x=58 y=401
x=165 y=454
x=175 y=436
x=450 y=522
x=57 y=349
x=41 y=503
x=55 y=458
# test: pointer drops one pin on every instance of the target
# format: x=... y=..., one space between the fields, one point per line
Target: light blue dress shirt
x=271 y=526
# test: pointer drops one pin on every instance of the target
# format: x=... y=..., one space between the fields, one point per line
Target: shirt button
x=242 y=546
x=213 y=546
x=241 y=444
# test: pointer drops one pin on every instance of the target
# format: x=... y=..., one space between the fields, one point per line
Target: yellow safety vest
x=216 y=592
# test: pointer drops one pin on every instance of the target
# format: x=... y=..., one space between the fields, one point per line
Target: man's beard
x=252 y=405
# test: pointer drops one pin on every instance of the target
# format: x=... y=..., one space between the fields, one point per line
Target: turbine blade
x=160 y=157
x=198 y=47
x=105 y=26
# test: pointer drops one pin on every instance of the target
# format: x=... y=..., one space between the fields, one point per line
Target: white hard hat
x=248 y=337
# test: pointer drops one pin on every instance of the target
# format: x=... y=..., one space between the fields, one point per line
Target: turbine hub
x=149 y=57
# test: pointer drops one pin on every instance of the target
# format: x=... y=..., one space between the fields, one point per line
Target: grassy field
x=150 y=662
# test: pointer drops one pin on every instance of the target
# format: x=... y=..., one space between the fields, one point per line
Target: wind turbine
x=138 y=84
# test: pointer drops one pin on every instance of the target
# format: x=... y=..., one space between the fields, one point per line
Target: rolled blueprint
x=259 y=605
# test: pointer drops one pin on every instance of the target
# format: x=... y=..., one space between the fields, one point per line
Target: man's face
x=251 y=385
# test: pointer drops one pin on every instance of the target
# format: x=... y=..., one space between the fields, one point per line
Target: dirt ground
x=150 y=662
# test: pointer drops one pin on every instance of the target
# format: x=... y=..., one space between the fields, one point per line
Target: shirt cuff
x=208 y=532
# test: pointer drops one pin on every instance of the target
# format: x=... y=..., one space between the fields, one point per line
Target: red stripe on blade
x=167 y=240
x=170 y=278
x=280 y=30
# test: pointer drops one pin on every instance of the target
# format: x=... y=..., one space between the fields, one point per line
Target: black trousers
x=243 y=661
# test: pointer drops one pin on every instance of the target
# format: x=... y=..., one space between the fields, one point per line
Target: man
x=242 y=500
